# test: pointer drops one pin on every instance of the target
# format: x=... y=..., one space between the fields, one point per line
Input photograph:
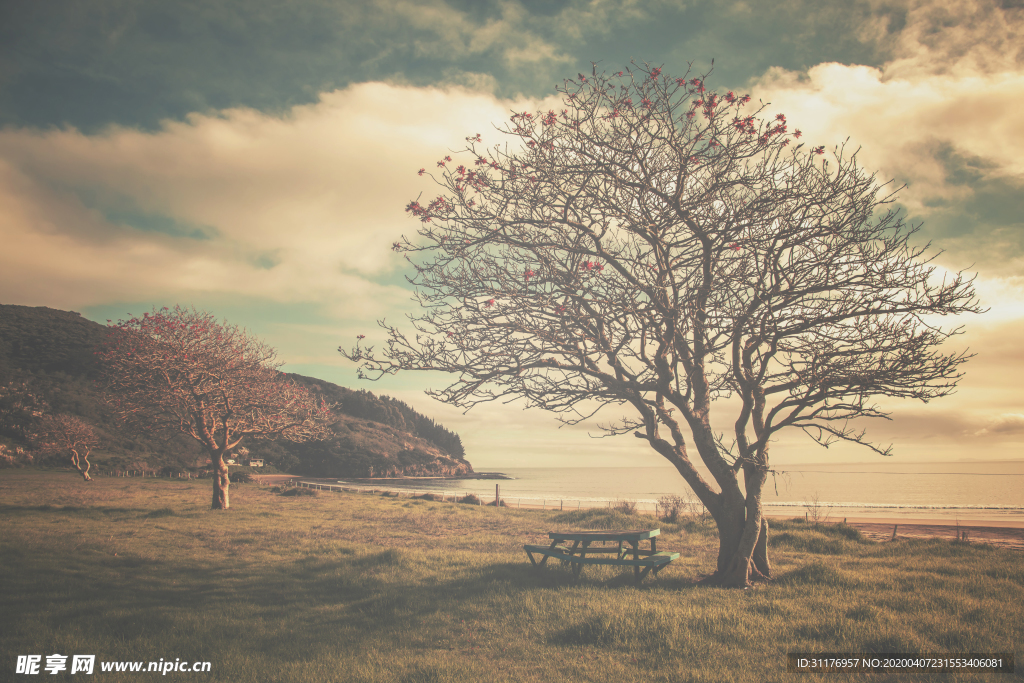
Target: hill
x=47 y=356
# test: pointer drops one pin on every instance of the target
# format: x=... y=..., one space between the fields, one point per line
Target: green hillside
x=48 y=355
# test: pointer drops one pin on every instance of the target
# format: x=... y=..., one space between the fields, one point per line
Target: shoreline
x=1006 y=533
x=476 y=476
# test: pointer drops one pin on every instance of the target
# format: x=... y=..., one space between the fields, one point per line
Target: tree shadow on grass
x=304 y=606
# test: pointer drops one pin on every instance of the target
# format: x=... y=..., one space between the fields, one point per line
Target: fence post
x=497 y=495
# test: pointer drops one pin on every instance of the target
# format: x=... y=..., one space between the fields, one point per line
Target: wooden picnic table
x=625 y=550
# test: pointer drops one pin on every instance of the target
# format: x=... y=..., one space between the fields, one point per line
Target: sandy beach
x=999 y=534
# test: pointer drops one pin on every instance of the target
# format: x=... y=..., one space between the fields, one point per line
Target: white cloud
x=301 y=207
x=954 y=85
x=901 y=125
x=1007 y=424
x=961 y=37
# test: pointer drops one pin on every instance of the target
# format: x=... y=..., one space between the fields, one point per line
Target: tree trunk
x=730 y=531
x=742 y=538
x=742 y=529
x=760 y=558
x=78 y=465
x=221 y=482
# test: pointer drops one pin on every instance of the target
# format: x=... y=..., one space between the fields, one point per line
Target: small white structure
x=256 y=462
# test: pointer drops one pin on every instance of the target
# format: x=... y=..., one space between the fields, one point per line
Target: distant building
x=256 y=462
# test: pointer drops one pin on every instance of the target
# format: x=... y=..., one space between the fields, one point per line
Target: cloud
x=960 y=37
x=298 y=207
x=905 y=127
x=941 y=116
x=1007 y=424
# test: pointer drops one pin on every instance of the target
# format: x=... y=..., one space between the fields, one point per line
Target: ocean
x=965 y=491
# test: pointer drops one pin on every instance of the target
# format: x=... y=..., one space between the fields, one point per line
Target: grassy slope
x=362 y=588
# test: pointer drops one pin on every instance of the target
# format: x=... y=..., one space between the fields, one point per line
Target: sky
x=254 y=159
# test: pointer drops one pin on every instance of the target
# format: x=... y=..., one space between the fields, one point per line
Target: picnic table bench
x=625 y=551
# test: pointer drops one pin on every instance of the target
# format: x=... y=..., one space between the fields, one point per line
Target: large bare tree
x=656 y=245
x=69 y=436
x=181 y=370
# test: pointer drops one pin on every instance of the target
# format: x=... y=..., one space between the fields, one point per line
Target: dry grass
x=359 y=587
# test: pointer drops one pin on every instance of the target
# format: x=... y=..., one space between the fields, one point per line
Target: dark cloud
x=986 y=226
x=134 y=63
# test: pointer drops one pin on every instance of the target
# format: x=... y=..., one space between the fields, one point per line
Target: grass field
x=357 y=587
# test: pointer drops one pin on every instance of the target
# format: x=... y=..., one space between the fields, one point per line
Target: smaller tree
x=67 y=435
x=20 y=409
x=182 y=371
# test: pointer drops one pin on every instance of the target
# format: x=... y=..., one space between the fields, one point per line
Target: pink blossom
x=422 y=171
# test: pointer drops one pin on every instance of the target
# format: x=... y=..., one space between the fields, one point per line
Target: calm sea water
x=968 y=491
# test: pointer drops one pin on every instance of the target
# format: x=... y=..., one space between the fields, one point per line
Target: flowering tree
x=67 y=435
x=655 y=245
x=182 y=371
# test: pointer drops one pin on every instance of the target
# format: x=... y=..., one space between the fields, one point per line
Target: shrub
x=627 y=507
x=299 y=491
x=470 y=499
x=671 y=507
x=240 y=478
